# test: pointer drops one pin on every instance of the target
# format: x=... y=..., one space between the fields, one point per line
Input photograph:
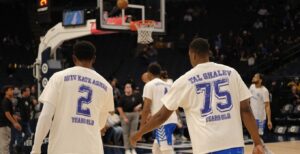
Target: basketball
x=122 y=4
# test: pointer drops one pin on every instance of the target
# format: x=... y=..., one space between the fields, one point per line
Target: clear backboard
x=113 y=18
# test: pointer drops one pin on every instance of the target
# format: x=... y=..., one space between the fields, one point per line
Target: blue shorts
x=163 y=136
x=261 y=124
x=239 y=150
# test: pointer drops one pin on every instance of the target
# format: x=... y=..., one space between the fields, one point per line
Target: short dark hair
x=154 y=68
x=84 y=50
x=6 y=87
x=200 y=46
x=23 y=88
x=164 y=74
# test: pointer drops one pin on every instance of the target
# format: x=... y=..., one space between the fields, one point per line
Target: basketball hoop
x=144 y=29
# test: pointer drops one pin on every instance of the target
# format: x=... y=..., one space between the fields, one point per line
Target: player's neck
x=84 y=64
x=202 y=61
x=258 y=85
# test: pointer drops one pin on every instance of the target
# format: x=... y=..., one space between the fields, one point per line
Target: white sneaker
x=127 y=151
x=133 y=151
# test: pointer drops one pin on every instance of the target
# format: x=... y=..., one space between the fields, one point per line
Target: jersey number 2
x=85 y=111
x=219 y=94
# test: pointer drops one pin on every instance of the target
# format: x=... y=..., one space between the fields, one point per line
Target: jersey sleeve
x=5 y=106
x=148 y=92
x=51 y=91
x=244 y=92
x=110 y=101
x=178 y=96
x=266 y=95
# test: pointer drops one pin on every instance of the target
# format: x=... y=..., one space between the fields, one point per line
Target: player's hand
x=18 y=118
x=134 y=138
x=17 y=126
x=126 y=120
x=103 y=130
x=270 y=125
x=258 y=149
x=138 y=108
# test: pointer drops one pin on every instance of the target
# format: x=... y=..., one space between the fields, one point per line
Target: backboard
x=113 y=18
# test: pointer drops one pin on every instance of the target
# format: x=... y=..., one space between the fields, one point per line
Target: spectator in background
x=113 y=134
x=294 y=96
x=263 y=11
x=251 y=59
x=296 y=83
x=116 y=91
x=258 y=24
x=36 y=107
x=7 y=119
x=24 y=108
x=129 y=108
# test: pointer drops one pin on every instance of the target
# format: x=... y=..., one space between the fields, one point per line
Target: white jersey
x=210 y=95
x=82 y=99
x=155 y=90
x=258 y=101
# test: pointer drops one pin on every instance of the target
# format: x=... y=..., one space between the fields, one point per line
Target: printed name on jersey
x=209 y=75
x=82 y=121
x=85 y=80
x=219 y=117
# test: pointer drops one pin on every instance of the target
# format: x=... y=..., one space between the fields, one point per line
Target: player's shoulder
x=183 y=80
x=59 y=74
x=252 y=86
x=225 y=67
x=265 y=89
x=100 y=78
x=152 y=83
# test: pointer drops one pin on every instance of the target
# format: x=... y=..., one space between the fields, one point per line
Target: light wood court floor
x=289 y=147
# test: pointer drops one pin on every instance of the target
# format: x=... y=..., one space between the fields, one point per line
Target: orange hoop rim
x=134 y=25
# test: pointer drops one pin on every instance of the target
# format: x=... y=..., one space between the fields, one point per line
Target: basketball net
x=145 y=30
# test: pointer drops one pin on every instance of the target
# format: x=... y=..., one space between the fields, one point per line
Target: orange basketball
x=122 y=4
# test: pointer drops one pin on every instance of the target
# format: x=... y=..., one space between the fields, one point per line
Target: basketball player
x=215 y=100
x=260 y=104
x=76 y=106
x=154 y=90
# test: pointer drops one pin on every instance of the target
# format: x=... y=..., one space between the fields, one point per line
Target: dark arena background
x=252 y=36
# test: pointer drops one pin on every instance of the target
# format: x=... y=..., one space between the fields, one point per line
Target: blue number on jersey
x=220 y=95
x=84 y=100
x=166 y=90
x=206 y=88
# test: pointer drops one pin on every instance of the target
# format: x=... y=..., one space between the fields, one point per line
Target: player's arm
x=122 y=114
x=43 y=127
x=12 y=120
x=156 y=120
x=249 y=121
x=146 y=111
x=268 y=111
x=266 y=97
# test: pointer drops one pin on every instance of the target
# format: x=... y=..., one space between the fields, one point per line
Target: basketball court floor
x=277 y=144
